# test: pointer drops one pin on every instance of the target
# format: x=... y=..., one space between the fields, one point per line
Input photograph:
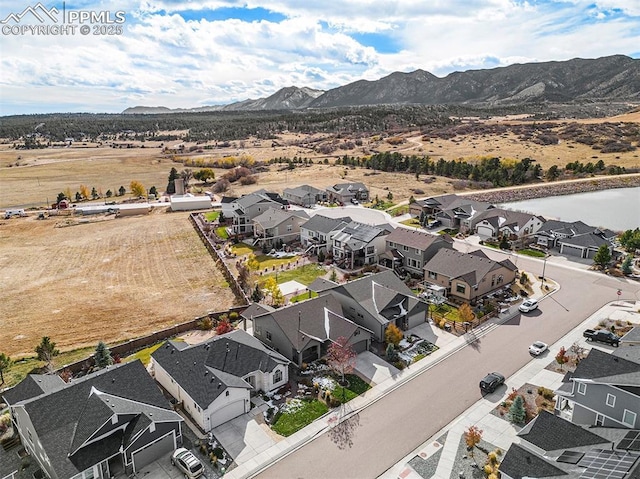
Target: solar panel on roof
x=631 y=441
x=570 y=457
x=607 y=464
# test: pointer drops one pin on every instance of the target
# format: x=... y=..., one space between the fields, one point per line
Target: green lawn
x=383 y=205
x=212 y=215
x=242 y=248
x=269 y=262
x=305 y=274
x=399 y=210
x=356 y=387
x=411 y=222
x=19 y=369
x=304 y=296
x=449 y=231
x=144 y=355
x=222 y=232
x=444 y=311
x=287 y=424
x=533 y=252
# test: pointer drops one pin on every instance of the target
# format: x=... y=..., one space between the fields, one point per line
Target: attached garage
x=226 y=413
x=571 y=250
x=154 y=451
x=484 y=231
x=360 y=346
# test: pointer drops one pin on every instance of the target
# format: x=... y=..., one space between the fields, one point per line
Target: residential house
x=241 y=211
x=213 y=380
x=604 y=390
x=278 y=225
x=345 y=192
x=574 y=238
x=304 y=195
x=317 y=233
x=358 y=244
x=468 y=276
x=411 y=249
x=376 y=301
x=453 y=211
x=498 y=222
x=303 y=332
x=554 y=447
x=110 y=422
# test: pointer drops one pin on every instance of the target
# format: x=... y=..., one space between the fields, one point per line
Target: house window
x=460 y=288
x=405 y=248
x=432 y=275
x=599 y=420
x=268 y=336
x=289 y=227
x=370 y=249
x=611 y=400
x=392 y=244
x=277 y=376
x=417 y=251
x=582 y=388
x=629 y=418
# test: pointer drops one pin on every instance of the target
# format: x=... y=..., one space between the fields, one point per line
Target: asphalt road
x=392 y=427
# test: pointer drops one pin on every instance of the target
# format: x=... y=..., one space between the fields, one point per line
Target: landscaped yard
x=144 y=355
x=444 y=311
x=304 y=296
x=303 y=413
x=305 y=274
x=533 y=252
x=221 y=231
x=399 y=210
x=241 y=249
x=411 y=222
x=19 y=369
x=356 y=387
x=267 y=261
x=211 y=216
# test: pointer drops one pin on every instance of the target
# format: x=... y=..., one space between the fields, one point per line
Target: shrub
x=545 y=393
x=399 y=364
x=248 y=180
x=218 y=452
x=205 y=324
x=233 y=316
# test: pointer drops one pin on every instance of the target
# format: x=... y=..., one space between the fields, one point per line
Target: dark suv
x=491 y=382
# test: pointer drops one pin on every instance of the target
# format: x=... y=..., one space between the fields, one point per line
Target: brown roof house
x=410 y=250
x=304 y=331
x=468 y=276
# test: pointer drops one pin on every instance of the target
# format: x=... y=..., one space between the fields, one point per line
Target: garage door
x=571 y=250
x=360 y=346
x=227 y=413
x=153 y=451
x=484 y=231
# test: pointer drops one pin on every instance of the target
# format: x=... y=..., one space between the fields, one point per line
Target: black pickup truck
x=602 y=337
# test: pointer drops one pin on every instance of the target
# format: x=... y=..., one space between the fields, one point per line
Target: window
x=432 y=275
x=268 y=336
x=405 y=248
x=460 y=288
x=417 y=251
x=277 y=376
x=582 y=388
x=392 y=244
x=599 y=420
x=611 y=400
x=629 y=418
x=289 y=227
x=370 y=249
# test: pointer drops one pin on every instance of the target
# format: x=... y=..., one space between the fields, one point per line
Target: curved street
x=391 y=427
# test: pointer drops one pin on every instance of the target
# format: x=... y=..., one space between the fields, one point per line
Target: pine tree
x=602 y=256
x=5 y=364
x=517 y=413
x=626 y=266
x=46 y=351
x=102 y=356
x=171 y=185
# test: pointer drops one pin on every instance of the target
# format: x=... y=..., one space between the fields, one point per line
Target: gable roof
x=416 y=238
x=585 y=240
x=321 y=284
x=255 y=309
x=502 y=218
x=303 y=190
x=566 y=228
x=356 y=235
x=273 y=217
x=520 y=463
x=468 y=267
x=550 y=433
x=607 y=368
x=442 y=201
x=207 y=369
x=33 y=385
x=323 y=224
x=59 y=416
x=344 y=187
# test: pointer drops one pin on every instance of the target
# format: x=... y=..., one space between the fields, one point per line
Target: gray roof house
x=410 y=249
x=317 y=233
x=497 y=222
x=304 y=195
x=213 y=380
x=453 y=211
x=574 y=238
x=345 y=192
x=243 y=210
x=278 y=224
x=358 y=244
x=468 y=276
x=377 y=300
x=554 y=447
x=303 y=331
x=113 y=421
x=604 y=390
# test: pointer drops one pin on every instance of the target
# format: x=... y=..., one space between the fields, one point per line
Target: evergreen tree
x=46 y=351
x=5 y=364
x=121 y=191
x=102 y=356
x=171 y=185
x=517 y=413
x=256 y=296
x=626 y=266
x=602 y=256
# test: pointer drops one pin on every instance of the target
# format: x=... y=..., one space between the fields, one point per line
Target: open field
x=108 y=280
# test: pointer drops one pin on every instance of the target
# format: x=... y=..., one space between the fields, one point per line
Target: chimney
x=179 y=182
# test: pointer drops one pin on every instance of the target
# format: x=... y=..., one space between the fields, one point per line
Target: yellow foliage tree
x=137 y=189
x=84 y=191
x=472 y=437
x=392 y=334
x=465 y=312
x=252 y=262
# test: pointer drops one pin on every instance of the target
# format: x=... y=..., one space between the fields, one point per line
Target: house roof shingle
x=273 y=217
x=33 y=385
x=415 y=238
x=520 y=463
x=323 y=224
x=608 y=368
x=469 y=267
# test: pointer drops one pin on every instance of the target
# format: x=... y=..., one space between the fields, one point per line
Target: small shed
x=190 y=203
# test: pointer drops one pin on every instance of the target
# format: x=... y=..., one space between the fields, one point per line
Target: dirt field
x=109 y=280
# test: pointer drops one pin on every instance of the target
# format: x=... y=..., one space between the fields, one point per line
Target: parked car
x=537 y=348
x=354 y=201
x=528 y=305
x=491 y=382
x=434 y=224
x=189 y=464
x=602 y=337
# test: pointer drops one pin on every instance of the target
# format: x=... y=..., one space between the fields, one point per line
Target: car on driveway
x=537 y=348
x=528 y=305
x=491 y=382
x=189 y=464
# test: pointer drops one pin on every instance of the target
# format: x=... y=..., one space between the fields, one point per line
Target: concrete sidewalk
x=497 y=431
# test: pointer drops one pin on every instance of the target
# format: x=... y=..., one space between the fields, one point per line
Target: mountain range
x=611 y=78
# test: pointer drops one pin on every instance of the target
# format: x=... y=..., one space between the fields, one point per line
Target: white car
x=189 y=464
x=537 y=348
x=528 y=305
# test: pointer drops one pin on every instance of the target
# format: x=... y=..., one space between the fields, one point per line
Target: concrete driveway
x=373 y=368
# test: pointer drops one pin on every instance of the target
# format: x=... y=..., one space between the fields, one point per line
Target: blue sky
x=184 y=54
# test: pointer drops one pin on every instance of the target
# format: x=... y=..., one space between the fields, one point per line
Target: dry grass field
x=107 y=280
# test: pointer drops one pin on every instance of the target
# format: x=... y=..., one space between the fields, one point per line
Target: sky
x=105 y=56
